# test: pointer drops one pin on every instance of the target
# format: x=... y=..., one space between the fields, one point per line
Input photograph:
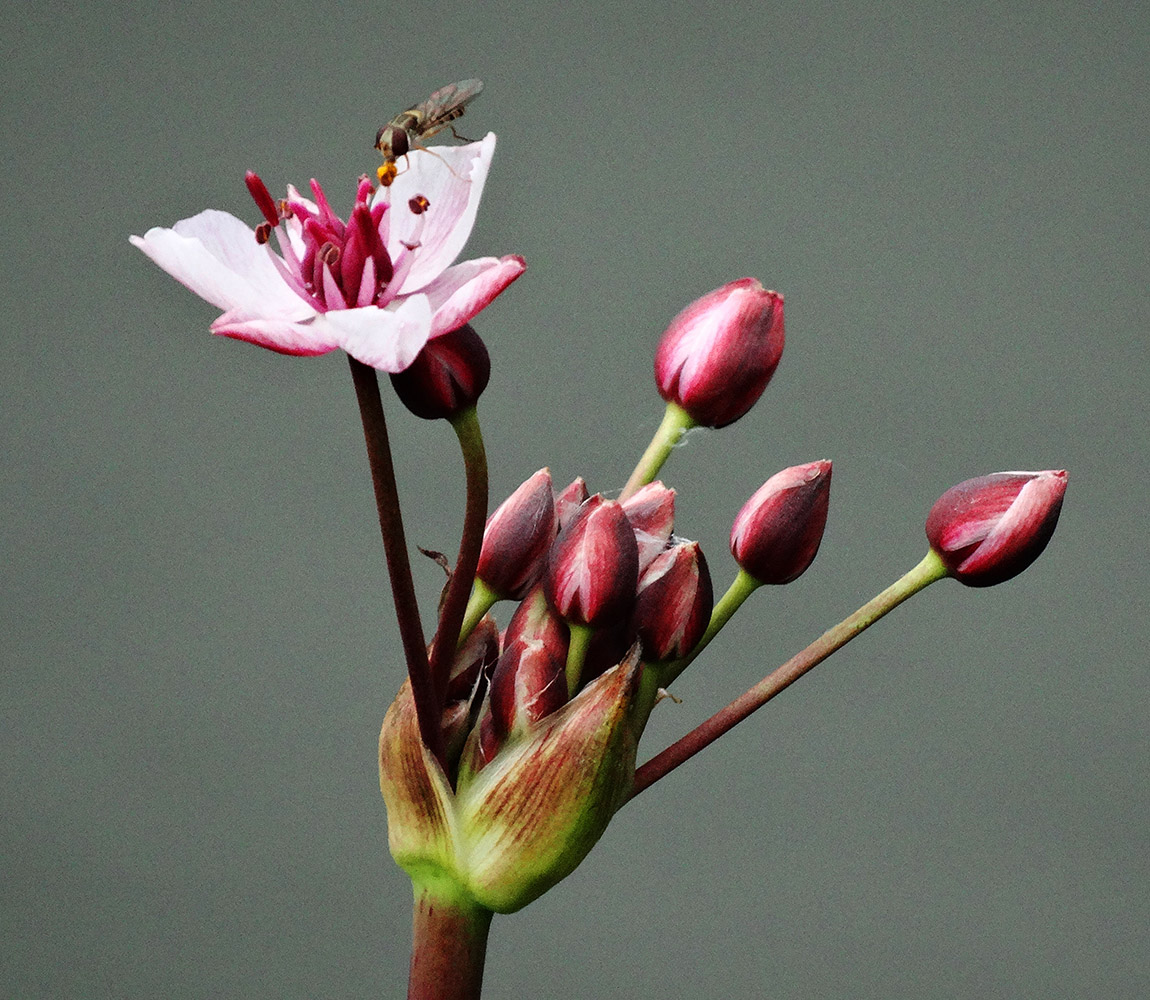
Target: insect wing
x=446 y=104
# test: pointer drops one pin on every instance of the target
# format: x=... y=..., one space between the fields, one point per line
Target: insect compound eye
x=398 y=142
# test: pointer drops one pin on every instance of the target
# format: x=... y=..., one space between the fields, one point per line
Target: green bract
x=526 y=820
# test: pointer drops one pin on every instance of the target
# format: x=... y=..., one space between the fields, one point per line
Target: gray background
x=196 y=634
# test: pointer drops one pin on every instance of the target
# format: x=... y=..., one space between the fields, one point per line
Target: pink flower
x=379 y=285
x=988 y=529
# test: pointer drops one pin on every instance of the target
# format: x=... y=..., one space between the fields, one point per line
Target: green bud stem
x=740 y=589
x=925 y=573
x=481 y=600
x=660 y=675
x=448 y=946
x=451 y=613
x=676 y=421
x=428 y=706
x=576 y=654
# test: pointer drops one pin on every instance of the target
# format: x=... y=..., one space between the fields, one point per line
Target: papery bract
x=531 y=815
x=991 y=528
x=379 y=285
x=718 y=354
x=777 y=533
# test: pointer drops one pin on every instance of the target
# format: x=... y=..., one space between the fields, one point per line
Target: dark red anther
x=263 y=233
x=263 y=199
x=419 y=204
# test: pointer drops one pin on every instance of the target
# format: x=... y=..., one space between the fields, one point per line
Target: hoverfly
x=402 y=134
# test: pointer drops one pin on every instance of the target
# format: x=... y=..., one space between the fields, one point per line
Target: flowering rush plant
x=507 y=750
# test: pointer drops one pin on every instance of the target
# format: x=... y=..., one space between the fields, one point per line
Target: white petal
x=388 y=339
x=451 y=178
x=216 y=255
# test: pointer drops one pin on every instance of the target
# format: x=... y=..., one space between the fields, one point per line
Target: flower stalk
x=676 y=422
x=467 y=430
x=925 y=573
x=448 y=944
x=427 y=701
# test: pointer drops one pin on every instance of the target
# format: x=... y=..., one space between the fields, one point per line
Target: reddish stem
x=428 y=708
x=926 y=572
x=448 y=948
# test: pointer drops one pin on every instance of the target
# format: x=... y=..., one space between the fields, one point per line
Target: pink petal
x=216 y=255
x=464 y=290
x=306 y=338
x=452 y=181
x=388 y=339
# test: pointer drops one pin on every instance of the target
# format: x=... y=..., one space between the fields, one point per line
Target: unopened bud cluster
x=611 y=571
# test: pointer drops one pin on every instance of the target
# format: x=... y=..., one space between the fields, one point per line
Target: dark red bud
x=651 y=511
x=536 y=619
x=988 y=529
x=518 y=537
x=673 y=606
x=570 y=500
x=447 y=377
x=477 y=655
x=607 y=647
x=777 y=533
x=594 y=565
x=529 y=683
x=719 y=353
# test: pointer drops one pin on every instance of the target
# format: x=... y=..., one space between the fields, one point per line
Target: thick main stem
x=466 y=426
x=427 y=705
x=926 y=572
x=448 y=947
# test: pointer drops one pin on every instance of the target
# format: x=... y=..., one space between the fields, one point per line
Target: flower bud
x=651 y=511
x=988 y=529
x=594 y=565
x=674 y=602
x=473 y=658
x=527 y=819
x=777 y=533
x=570 y=500
x=518 y=537
x=467 y=685
x=447 y=377
x=529 y=682
x=719 y=353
